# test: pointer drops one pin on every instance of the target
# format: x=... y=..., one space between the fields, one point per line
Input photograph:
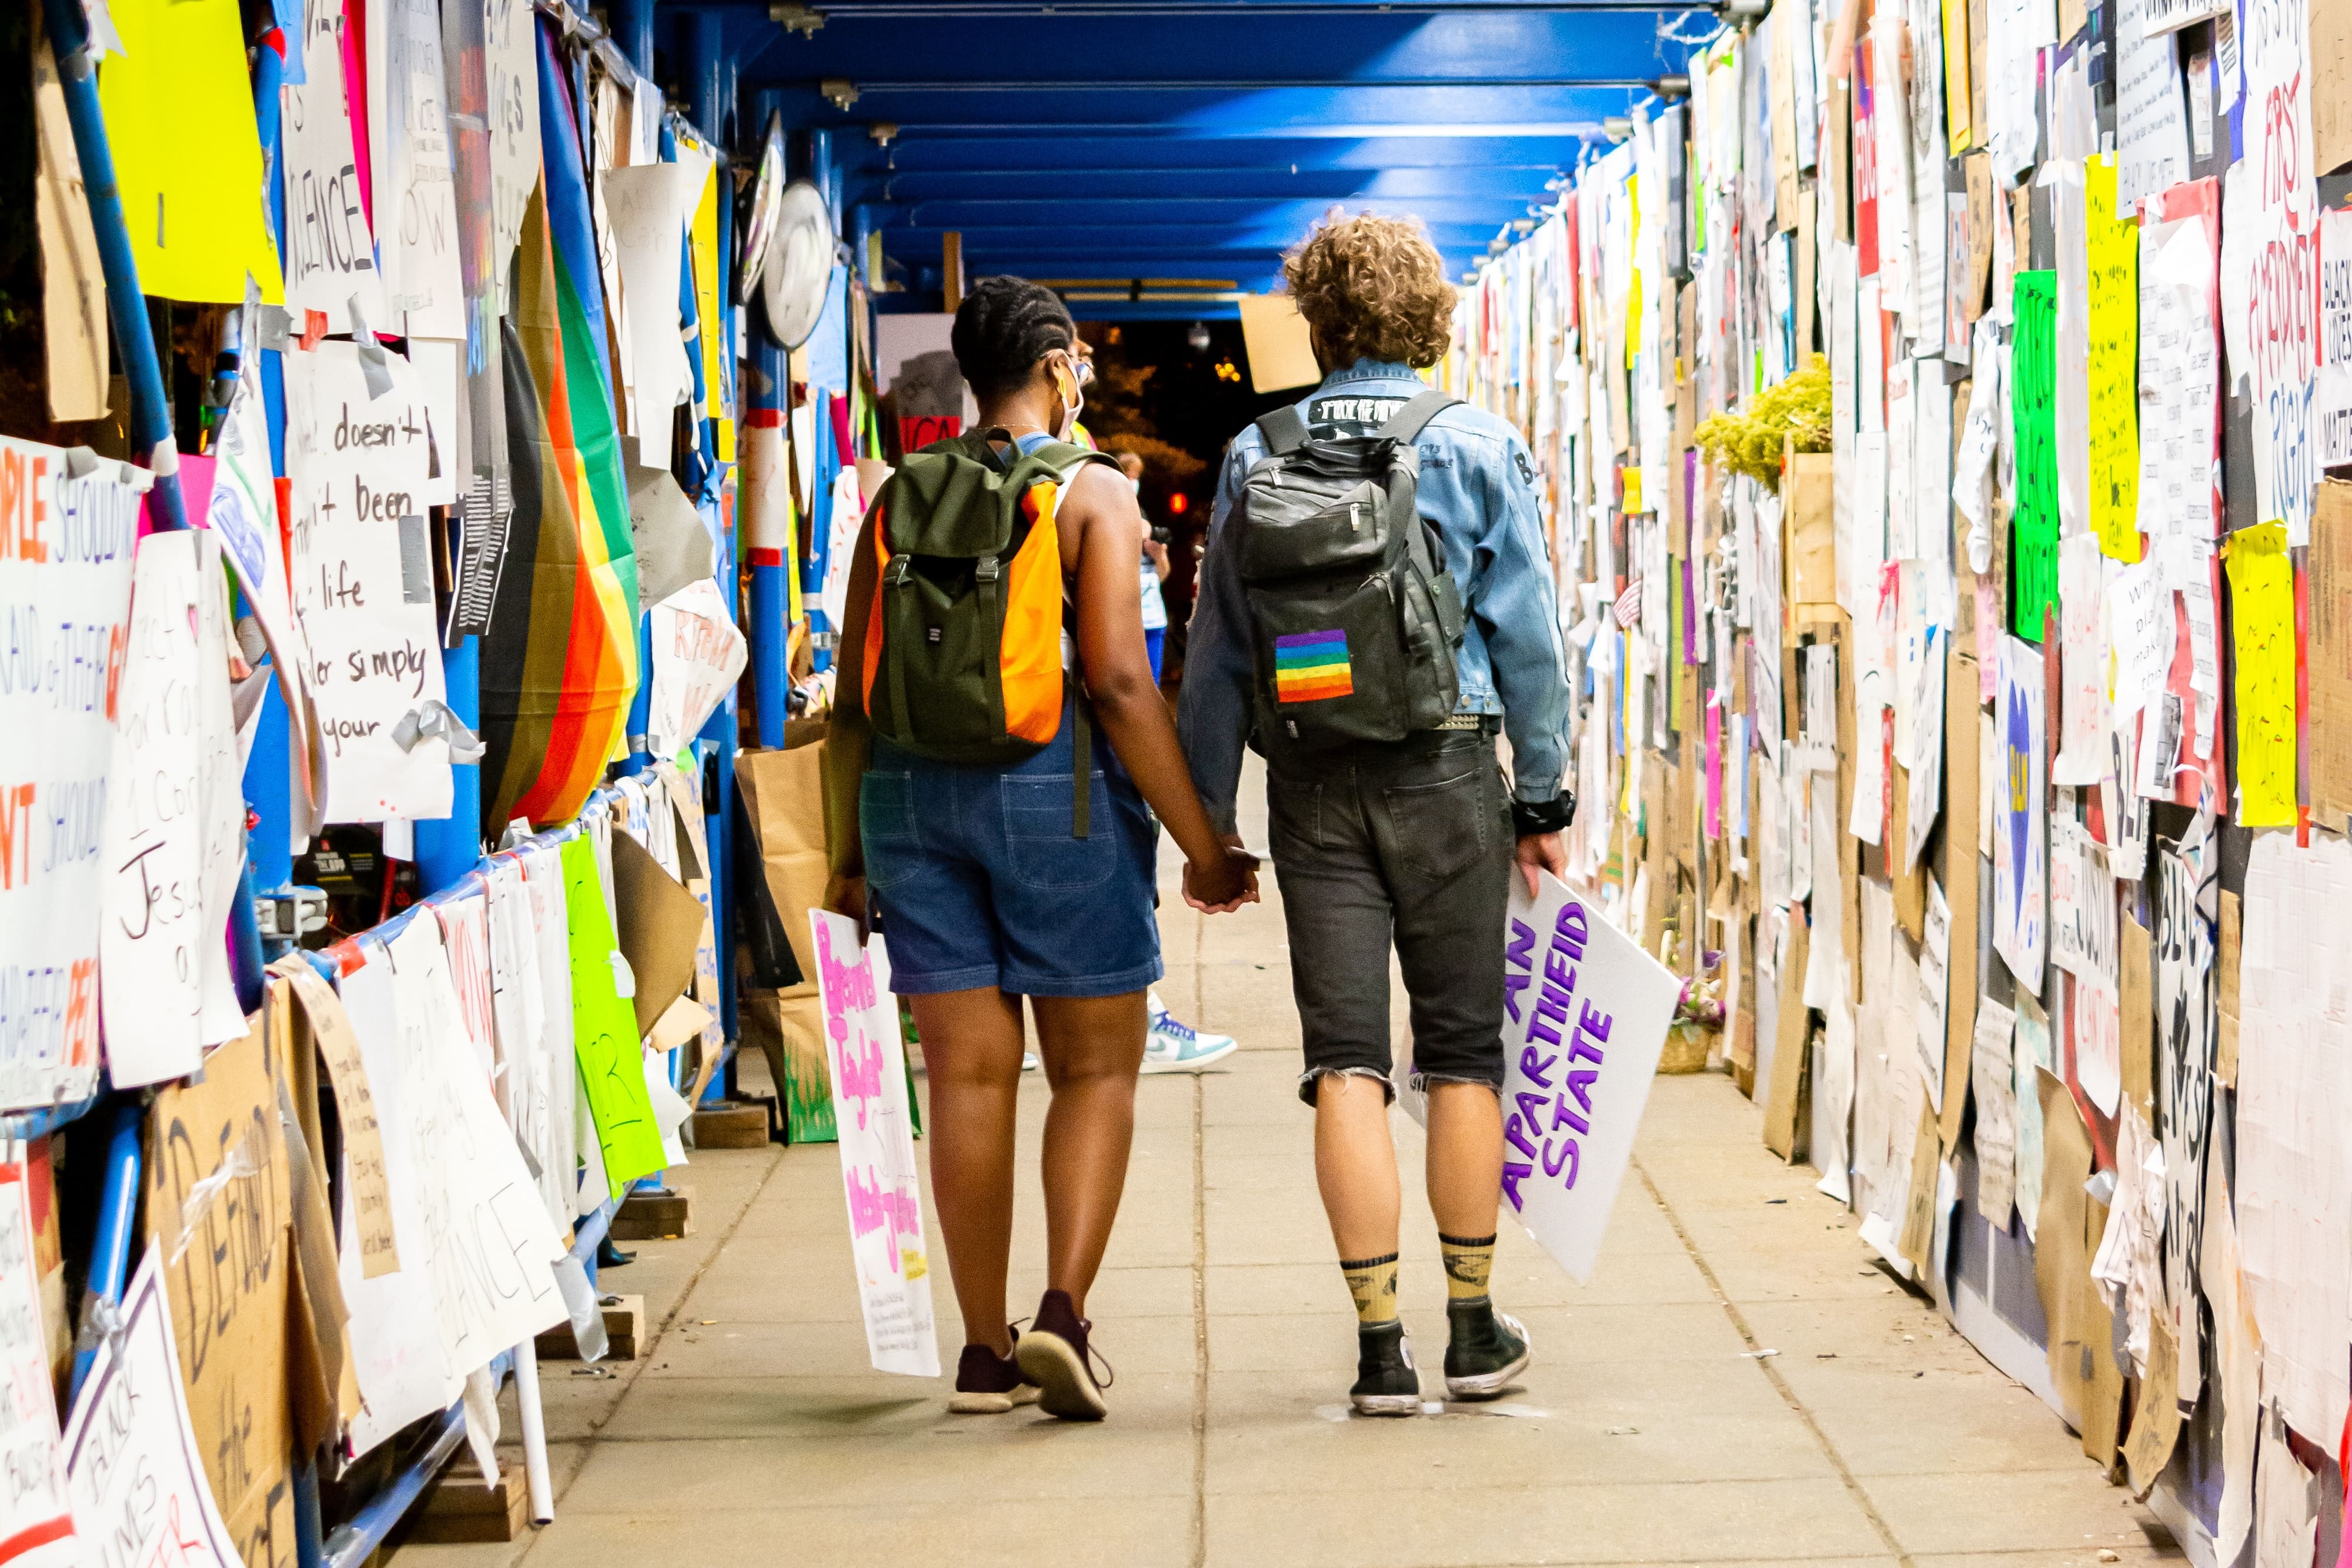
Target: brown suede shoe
x=1055 y=1356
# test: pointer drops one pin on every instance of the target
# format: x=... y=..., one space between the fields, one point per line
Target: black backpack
x=1354 y=617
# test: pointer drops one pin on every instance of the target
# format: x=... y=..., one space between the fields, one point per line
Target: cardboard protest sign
x=218 y=1216
x=1588 y=1013
x=357 y=444
x=174 y=835
x=131 y=1459
x=65 y=574
x=604 y=1032
x=660 y=927
x=36 y=1523
x=367 y=1193
x=878 y=1148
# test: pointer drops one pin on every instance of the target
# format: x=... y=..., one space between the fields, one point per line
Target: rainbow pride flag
x=1311 y=666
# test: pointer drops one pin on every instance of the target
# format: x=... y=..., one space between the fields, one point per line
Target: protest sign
x=1588 y=1013
x=368 y=1196
x=132 y=1463
x=218 y=1212
x=2020 y=885
x=174 y=835
x=605 y=1031
x=878 y=1148
x=330 y=249
x=65 y=578
x=36 y=1523
x=356 y=454
x=698 y=654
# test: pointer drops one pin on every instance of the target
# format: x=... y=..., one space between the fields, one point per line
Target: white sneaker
x=1029 y=1062
x=1173 y=1046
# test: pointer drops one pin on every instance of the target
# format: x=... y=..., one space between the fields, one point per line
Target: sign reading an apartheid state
x=1586 y=1014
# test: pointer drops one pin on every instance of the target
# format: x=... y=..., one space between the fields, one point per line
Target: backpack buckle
x=987 y=569
x=894 y=574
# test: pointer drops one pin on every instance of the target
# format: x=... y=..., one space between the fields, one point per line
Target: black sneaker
x=1386 y=1381
x=988 y=1384
x=1487 y=1351
x=1054 y=1355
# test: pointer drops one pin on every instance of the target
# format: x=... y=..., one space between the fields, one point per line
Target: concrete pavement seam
x=1772 y=1375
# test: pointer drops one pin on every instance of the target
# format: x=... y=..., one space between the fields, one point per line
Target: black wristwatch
x=1530 y=817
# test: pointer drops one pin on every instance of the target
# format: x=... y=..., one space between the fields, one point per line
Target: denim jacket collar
x=1369 y=369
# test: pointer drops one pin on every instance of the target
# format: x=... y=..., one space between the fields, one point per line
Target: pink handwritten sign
x=876 y=1127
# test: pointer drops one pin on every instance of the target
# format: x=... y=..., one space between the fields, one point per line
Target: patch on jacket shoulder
x=1527 y=469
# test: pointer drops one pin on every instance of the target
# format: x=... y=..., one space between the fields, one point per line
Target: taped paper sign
x=2261 y=616
x=368 y=1188
x=2020 y=880
x=36 y=1520
x=362 y=574
x=131 y=1464
x=329 y=247
x=175 y=836
x=65 y=577
x=510 y=61
x=1589 y=1012
x=2033 y=549
x=870 y=1109
x=416 y=184
x=698 y=654
x=2113 y=272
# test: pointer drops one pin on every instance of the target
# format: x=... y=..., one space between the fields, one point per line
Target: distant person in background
x=1174 y=1046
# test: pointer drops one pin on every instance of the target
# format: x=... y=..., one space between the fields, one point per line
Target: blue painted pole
x=118 y=1216
x=449 y=847
x=818 y=169
x=134 y=337
x=269 y=766
x=718 y=741
x=633 y=32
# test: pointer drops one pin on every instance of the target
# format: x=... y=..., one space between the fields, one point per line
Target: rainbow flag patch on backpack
x=1312 y=666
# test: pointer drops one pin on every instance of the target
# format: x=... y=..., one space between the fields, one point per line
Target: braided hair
x=1004 y=326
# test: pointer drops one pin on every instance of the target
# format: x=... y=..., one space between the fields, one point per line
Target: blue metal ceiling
x=1195 y=138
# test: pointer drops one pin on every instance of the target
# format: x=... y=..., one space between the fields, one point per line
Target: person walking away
x=992 y=632
x=1376 y=600
x=1172 y=1045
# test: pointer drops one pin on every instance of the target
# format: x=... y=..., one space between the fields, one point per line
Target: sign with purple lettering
x=1587 y=1013
x=2021 y=852
x=878 y=1147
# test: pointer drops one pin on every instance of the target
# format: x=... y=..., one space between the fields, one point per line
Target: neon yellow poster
x=2262 y=624
x=604 y=1028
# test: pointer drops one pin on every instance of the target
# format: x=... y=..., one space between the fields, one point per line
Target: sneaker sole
x=991 y=1403
x=1193 y=1065
x=1488 y=1385
x=1385 y=1403
x=1064 y=1388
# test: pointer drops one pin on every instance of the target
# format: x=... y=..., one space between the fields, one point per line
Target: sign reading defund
x=1587 y=1014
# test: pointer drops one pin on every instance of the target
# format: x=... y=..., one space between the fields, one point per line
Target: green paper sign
x=2033 y=549
x=604 y=1029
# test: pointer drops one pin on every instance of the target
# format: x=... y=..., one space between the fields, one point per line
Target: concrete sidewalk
x=1652 y=1428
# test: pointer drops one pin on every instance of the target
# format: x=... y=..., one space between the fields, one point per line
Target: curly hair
x=1371 y=288
x=1004 y=326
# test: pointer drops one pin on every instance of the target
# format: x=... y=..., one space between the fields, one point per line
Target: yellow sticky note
x=178 y=105
x=2262 y=617
x=2115 y=364
x=1956 y=73
x=703 y=239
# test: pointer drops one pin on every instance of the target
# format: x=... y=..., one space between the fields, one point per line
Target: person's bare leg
x=1465 y=1157
x=1355 y=1164
x=971 y=1055
x=1092 y=1048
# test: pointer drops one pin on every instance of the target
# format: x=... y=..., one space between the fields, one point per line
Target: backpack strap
x=1405 y=423
x=1284 y=430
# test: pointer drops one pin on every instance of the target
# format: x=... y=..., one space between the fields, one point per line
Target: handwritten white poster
x=2151 y=123
x=174 y=834
x=2335 y=338
x=2019 y=856
x=64 y=581
x=697 y=655
x=362 y=574
x=329 y=247
x=878 y=1149
x=1588 y=1017
x=651 y=206
x=415 y=186
x=131 y=1464
x=510 y=58
x=37 y=1521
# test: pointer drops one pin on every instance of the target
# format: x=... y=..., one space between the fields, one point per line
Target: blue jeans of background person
x=980 y=880
x=1155 y=643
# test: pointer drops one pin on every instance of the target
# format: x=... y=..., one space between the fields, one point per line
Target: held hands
x=1541 y=852
x=1225 y=884
x=845 y=896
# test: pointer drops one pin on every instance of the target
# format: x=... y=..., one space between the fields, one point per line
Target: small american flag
x=1628 y=603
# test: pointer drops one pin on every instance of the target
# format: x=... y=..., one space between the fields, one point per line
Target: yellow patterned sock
x=1373 y=1282
x=1469 y=1264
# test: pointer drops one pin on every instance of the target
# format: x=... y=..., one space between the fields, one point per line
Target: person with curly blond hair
x=1409 y=841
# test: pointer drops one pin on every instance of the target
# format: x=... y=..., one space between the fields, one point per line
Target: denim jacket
x=1478 y=486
